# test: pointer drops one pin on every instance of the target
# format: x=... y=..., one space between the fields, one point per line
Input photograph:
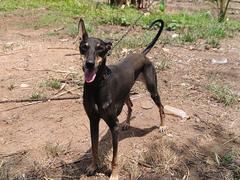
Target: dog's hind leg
x=151 y=83
x=129 y=104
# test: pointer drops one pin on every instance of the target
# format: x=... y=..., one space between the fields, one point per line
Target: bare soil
x=52 y=139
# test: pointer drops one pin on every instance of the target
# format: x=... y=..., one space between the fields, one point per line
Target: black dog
x=107 y=88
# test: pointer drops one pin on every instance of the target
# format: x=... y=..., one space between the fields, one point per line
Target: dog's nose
x=90 y=65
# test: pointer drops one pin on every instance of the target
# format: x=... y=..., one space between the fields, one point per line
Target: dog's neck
x=103 y=73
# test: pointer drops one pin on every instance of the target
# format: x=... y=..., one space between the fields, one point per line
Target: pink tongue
x=89 y=75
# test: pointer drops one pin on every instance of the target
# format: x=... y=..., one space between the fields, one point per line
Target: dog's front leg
x=114 y=128
x=94 y=128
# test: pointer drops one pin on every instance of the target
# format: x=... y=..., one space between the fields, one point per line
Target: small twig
x=73 y=54
x=41 y=100
x=185 y=177
x=144 y=164
x=139 y=162
x=231 y=139
x=58 y=29
x=17 y=107
x=217 y=159
x=138 y=96
x=65 y=92
x=62 y=87
x=14 y=154
x=51 y=70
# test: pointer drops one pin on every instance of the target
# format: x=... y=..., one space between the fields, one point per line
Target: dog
x=107 y=88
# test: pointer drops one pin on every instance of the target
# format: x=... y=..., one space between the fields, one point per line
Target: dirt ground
x=51 y=140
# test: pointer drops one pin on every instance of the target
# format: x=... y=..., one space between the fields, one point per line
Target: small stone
x=175 y=35
x=24 y=85
x=220 y=60
x=165 y=49
x=63 y=40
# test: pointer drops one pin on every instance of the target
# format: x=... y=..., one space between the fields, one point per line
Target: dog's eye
x=99 y=48
x=84 y=46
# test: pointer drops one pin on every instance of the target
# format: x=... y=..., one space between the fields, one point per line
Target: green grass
x=162 y=64
x=213 y=42
x=229 y=161
x=36 y=96
x=223 y=94
x=52 y=83
x=190 y=26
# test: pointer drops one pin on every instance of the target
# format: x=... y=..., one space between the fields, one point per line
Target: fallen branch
x=49 y=70
x=73 y=54
x=39 y=100
x=24 y=105
x=14 y=154
x=231 y=139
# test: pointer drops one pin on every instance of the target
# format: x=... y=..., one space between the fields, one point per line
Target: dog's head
x=94 y=50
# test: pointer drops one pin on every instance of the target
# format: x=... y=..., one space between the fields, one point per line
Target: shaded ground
x=51 y=139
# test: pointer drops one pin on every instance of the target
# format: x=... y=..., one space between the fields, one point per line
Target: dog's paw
x=162 y=129
x=125 y=126
x=90 y=170
x=114 y=177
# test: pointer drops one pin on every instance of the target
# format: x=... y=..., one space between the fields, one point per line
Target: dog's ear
x=108 y=45
x=82 y=30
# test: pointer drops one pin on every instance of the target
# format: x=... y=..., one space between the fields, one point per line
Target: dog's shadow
x=77 y=169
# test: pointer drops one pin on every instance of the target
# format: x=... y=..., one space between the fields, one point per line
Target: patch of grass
x=51 y=18
x=52 y=83
x=229 y=160
x=55 y=149
x=36 y=96
x=223 y=94
x=132 y=169
x=72 y=29
x=131 y=42
x=161 y=157
x=191 y=26
x=213 y=42
x=188 y=37
x=52 y=33
x=9 y=5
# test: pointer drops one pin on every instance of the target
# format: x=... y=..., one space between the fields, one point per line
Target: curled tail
x=149 y=47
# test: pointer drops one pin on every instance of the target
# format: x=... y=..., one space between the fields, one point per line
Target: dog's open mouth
x=89 y=75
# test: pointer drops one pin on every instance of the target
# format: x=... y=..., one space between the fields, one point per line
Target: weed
x=162 y=65
x=52 y=83
x=56 y=149
x=52 y=33
x=188 y=37
x=72 y=29
x=213 y=42
x=229 y=160
x=36 y=96
x=132 y=42
x=223 y=94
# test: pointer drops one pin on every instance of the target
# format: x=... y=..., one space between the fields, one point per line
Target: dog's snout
x=90 y=65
